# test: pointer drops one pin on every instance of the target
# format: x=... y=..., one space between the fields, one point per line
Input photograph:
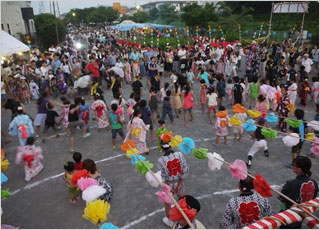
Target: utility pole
x=50 y=7
x=55 y=22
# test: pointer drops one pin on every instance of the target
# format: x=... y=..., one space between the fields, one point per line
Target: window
x=2 y=26
x=9 y=30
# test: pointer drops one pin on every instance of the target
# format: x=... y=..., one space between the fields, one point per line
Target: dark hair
x=30 y=141
x=77 y=100
x=187 y=88
x=166 y=85
x=168 y=93
x=50 y=105
x=136 y=112
x=192 y=202
x=132 y=95
x=77 y=157
x=143 y=103
x=299 y=113
x=261 y=98
x=89 y=165
x=302 y=67
x=255 y=79
x=315 y=79
x=229 y=81
x=304 y=163
x=114 y=107
x=161 y=122
x=246 y=184
x=236 y=79
x=69 y=166
x=202 y=81
x=222 y=108
x=137 y=98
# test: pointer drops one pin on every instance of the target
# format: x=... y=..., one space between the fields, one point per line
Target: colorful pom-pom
x=235 y=121
x=142 y=168
x=200 y=153
x=92 y=193
x=254 y=114
x=5 y=193
x=128 y=144
x=238 y=169
x=238 y=108
x=187 y=145
x=79 y=174
x=175 y=141
x=261 y=186
x=269 y=133
x=133 y=151
x=162 y=195
x=166 y=137
x=291 y=140
x=315 y=146
x=136 y=159
x=4 y=178
x=272 y=118
x=108 y=226
x=291 y=108
x=249 y=125
x=84 y=183
x=152 y=181
x=314 y=125
x=222 y=114
x=97 y=211
x=293 y=123
x=4 y=164
x=214 y=161
x=310 y=136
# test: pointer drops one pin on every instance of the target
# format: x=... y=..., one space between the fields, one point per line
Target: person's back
x=254 y=90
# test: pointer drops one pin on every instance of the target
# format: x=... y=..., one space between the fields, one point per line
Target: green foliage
x=140 y=17
x=167 y=13
x=154 y=13
x=46 y=30
x=196 y=15
x=102 y=14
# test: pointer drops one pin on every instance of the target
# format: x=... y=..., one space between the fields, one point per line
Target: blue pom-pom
x=108 y=226
x=272 y=118
x=249 y=125
x=135 y=158
x=4 y=178
x=183 y=145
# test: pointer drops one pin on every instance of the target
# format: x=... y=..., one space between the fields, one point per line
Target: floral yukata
x=99 y=111
x=31 y=155
x=21 y=125
x=245 y=210
x=138 y=130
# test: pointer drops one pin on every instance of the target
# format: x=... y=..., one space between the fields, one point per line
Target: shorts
x=46 y=128
x=40 y=119
x=297 y=147
x=3 y=96
x=73 y=125
x=115 y=131
x=187 y=110
x=211 y=108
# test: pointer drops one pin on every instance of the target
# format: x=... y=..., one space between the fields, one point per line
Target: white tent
x=11 y=45
x=125 y=22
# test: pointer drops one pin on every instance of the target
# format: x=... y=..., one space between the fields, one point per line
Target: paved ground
x=43 y=203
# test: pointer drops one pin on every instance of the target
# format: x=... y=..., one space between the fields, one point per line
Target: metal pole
x=270 y=21
x=55 y=22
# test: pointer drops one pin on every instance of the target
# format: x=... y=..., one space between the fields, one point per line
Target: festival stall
x=11 y=45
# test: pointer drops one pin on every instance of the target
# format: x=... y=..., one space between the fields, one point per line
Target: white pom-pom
x=314 y=125
x=213 y=163
x=291 y=140
x=153 y=182
x=92 y=193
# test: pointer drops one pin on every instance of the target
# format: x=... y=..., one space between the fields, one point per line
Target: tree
x=140 y=17
x=196 y=15
x=167 y=13
x=154 y=13
x=46 y=30
x=102 y=14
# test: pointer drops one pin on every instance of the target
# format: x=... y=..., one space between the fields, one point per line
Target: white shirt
x=3 y=89
x=219 y=53
x=182 y=54
x=117 y=70
x=119 y=64
x=212 y=99
x=307 y=64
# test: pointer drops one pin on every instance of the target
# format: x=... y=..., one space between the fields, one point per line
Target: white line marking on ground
x=223 y=192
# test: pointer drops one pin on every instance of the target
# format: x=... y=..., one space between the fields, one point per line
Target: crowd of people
x=91 y=62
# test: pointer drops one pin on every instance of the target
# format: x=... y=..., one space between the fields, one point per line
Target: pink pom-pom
x=315 y=146
x=162 y=195
x=84 y=183
x=239 y=169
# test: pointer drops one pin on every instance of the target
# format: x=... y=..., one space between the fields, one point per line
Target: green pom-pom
x=269 y=133
x=200 y=153
x=5 y=193
x=293 y=123
x=141 y=168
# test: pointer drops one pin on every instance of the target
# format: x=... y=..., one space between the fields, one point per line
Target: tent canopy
x=11 y=45
x=127 y=27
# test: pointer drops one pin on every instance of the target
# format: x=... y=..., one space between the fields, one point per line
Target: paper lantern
x=187 y=145
x=235 y=121
x=254 y=114
x=97 y=211
x=291 y=140
x=175 y=141
x=200 y=153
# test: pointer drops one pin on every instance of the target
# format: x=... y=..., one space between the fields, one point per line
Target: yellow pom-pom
x=310 y=136
x=97 y=211
x=254 y=114
x=175 y=141
x=133 y=152
x=4 y=165
x=235 y=121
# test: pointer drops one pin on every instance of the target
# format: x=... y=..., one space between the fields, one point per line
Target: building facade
x=178 y=5
x=17 y=18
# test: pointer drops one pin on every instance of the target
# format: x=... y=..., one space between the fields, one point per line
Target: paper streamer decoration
x=143 y=169
x=175 y=214
x=4 y=178
x=5 y=193
x=249 y=125
x=162 y=195
x=153 y=182
x=238 y=108
x=135 y=159
x=183 y=146
x=97 y=211
x=293 y=123
x=132 y=152
x=84 y=183
x=200 y=153
x=92 y=193
x=222 y=114
x=126 y=145
x=315 y=146
x=241 y=165
x=291 y=140
x=269 y=133
x=272 y=118
x=166 y=137
x=213 y=163
x=235 y=121
x=108 y=226
x=310 y=136
x=254 y=114
x=314 y=125
x=175 y=141
x=79 y=174
x=261 y=186
x=4 y=164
